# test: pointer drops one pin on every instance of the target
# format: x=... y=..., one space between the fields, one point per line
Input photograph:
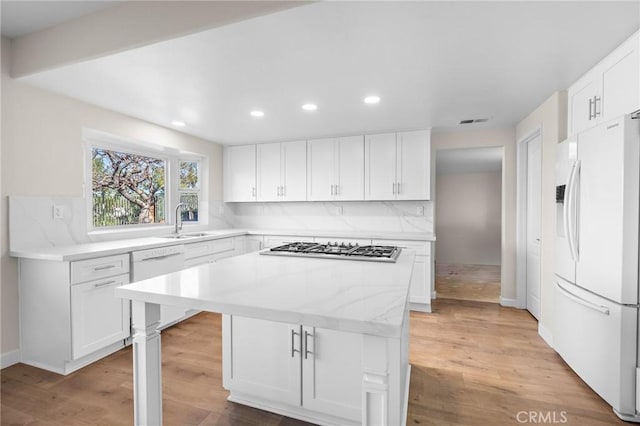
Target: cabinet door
x=294 y=171
x=320 y=170
x=621 y=81
x=268 y=170
x=98 y=318
x=262 y=358
x=414 y=165
x=332 y=372
x=380 y=167
x=580 y=110
x=350 y=168
x=240 y=173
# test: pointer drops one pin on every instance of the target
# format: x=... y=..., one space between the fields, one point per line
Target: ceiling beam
x=126 y=26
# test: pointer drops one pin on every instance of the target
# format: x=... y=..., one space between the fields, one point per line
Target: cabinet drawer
x=422 y=248
x=102 y=267
x=206 y=248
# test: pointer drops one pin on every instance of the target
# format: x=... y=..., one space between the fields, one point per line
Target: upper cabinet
x=240 y=173
x=281 y=171
x=335 y=169
x=610 y=89
x=397 y=166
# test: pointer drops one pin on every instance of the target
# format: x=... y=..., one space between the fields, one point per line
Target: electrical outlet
x=420 y=210
x=58 y=212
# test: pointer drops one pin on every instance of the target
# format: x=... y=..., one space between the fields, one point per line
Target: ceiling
x=432 y=63
x=468 y=160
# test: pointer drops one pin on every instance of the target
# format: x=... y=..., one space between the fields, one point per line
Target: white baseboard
x=511 y=303
x=7 y=359
x=546 y=334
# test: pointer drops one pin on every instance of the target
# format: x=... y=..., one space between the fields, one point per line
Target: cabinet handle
x=283 y=193
x=253 y=191
x=398 y=188
x=596 y=100
x=306 y=344
x=293 y=339
x=590 y=109
x=104 y=283
x=393 y=187
x=332 y=185
x=102 y=268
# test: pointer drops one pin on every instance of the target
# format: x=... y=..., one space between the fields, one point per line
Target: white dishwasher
x=159 y=261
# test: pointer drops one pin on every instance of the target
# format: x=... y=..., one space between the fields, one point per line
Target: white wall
x=469 y=218
x=504 y=138
x=551 y=116
x=42 y=155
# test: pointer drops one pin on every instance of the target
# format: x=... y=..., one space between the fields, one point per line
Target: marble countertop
x=359 y=297
x=107 y=248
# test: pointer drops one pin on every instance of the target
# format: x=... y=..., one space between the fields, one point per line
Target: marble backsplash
x=31 y=222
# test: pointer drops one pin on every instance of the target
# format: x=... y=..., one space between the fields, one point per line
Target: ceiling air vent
x=475 y=120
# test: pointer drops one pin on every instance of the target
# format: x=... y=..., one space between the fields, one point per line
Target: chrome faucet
x=178 y=225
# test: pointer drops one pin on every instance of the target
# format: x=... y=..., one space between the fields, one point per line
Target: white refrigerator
x=596 y=289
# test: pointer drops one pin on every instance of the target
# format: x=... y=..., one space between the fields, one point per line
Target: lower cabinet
x=297 y=369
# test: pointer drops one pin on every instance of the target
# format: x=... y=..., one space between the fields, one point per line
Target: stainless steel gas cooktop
x=337 y=251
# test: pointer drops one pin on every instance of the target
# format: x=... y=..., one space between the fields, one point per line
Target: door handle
x=591 y=109
x=102 y=268
x=596 y=100
x=293 y=339
x=306 y=344
x=104 y=283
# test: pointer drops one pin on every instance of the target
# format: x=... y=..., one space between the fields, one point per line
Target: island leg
x=147 y=364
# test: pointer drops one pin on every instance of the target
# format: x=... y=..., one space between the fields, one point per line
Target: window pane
x=190 y=211
x=127 y=188
x=188 y=174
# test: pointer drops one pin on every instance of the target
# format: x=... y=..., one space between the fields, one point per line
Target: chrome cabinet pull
x=102 y=268
x=283 y=191
x=393 y=187
x=590 y=109
x=596 y=100
x=104 y=283
x=337 y=189
x=398 y=188
x=293 y=339
x=306 y=344
x=253 y=191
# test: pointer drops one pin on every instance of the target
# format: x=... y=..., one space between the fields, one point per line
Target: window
x=189 y=189
x=127 y=188
x=138 y=184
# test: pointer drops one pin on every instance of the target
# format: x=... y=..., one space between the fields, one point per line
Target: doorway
x=468 y=223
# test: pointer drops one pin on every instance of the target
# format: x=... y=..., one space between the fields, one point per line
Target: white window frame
x=172 y=157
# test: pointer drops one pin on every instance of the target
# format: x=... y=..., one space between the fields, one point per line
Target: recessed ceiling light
x=178 y=123
x=309 y=107
x=372 y=99
x=257 y=113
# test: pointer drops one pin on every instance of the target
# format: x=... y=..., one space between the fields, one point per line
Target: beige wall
x=504 y=138
x=468 y=214
x=42 y=154
x=551 y=117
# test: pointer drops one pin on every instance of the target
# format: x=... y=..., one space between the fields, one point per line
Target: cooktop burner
x=337 y=250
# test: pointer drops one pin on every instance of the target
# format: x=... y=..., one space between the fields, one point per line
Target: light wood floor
x=473 y=364
x=480 y=283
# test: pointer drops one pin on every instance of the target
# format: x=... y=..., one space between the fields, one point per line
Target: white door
x=240 y=173
x=320 y=169
x=413 y=165
x=262 y=358
x=380 y=167
x=294 y=171
x=268 y=170
x=332 y=372
x=350 y=160
x=580 y=108
x=534 y=165
x=620 y=81
x=98 y=318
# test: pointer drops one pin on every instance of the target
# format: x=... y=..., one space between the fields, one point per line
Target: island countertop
x=355 y=296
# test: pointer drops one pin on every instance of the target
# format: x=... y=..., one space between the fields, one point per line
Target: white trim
x=510 y=303
x=521 y=217
x=7 y=359
x=546 y=335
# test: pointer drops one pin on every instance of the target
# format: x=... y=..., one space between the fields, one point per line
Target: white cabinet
x=209 y=251
x=69 y=315
x=397 y=166
x=281 y=171
x=610 y=89
x=240 y=173
x=98 y=319
x=421 y=289
x=294 y=366
x=335 y=169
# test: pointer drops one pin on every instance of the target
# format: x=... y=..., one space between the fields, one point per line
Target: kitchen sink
x=182 y=236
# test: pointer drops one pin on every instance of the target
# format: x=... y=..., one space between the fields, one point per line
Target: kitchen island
x=321 y=340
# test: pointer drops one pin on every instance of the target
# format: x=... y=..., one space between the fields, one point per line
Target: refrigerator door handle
x=602 y=309
x=568 y=210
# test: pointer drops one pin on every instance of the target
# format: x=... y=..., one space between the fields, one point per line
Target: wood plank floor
x=473 y=364
x=480 y=283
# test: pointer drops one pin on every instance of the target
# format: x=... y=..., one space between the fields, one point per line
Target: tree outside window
x=189 y=189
